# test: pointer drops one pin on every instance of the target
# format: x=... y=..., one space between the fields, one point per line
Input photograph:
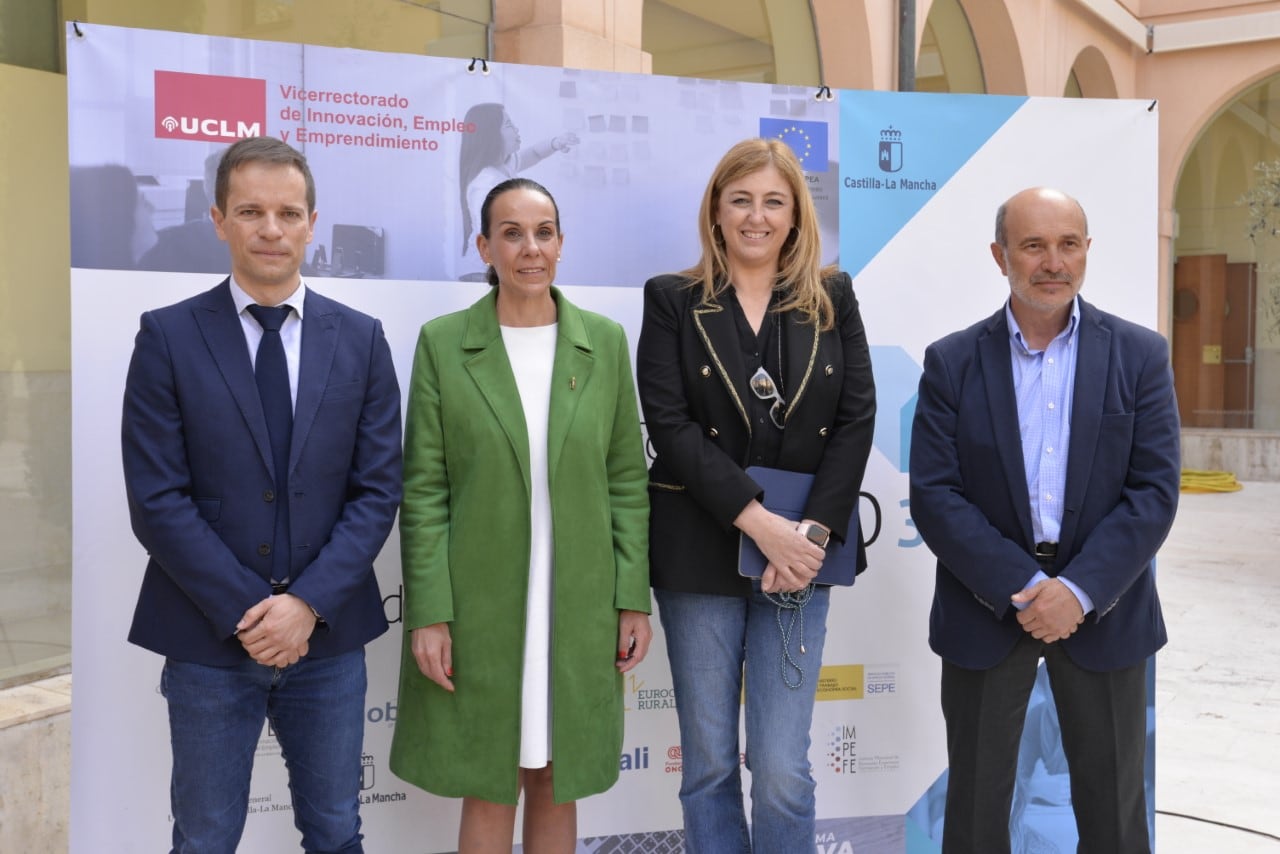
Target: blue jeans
x=316 y=708
x=711 y=642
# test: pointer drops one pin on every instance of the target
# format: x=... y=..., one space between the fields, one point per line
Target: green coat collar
x=490 y=368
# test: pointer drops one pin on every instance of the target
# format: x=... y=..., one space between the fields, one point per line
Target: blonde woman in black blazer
x=755 y=356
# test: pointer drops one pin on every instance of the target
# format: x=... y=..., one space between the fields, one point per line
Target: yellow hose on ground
x=1209 y=481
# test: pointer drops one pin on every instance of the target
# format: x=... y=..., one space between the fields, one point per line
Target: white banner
x=907 y=186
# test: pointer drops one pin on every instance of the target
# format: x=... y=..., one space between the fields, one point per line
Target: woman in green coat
x=524 y=540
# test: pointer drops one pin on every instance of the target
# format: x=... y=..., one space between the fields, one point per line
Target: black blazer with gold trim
x=693 y=390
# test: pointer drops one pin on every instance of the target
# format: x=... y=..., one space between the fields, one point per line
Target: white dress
x=531 y=351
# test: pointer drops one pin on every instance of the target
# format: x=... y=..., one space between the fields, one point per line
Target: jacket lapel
x=997 y=375
x=569 y=376
x=320 y=326
x=1092 y=364
x=716 y=328
x=801 y=343
x=487 y=363
x=216 y=317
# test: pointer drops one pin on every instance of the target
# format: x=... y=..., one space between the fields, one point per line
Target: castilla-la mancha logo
x=209 y=107
x=890 y=149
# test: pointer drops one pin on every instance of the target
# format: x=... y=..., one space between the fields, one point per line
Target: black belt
x=1045 y=554
x=278 y=587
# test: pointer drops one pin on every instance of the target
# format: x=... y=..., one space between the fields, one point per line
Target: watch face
x=816 y=535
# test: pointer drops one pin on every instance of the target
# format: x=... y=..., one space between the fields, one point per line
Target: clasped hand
x=1054 y=612
x=276 y=631
x=794 y=560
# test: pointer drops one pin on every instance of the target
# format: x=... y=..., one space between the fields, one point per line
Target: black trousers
x=1104 y=729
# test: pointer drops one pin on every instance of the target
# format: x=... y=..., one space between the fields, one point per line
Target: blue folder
x=786 y=493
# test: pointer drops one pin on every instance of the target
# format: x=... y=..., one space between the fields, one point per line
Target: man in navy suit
x=262 y=524
x=1044 y=477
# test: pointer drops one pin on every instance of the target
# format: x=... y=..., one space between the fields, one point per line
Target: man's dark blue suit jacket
x=969 y=492
x=199 y=476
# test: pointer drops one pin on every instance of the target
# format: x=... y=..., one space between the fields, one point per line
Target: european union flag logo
x=807 y=139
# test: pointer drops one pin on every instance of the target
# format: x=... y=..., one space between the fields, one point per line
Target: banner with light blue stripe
x=897 y=151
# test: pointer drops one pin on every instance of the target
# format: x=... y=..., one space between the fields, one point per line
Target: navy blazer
x=969 y=492
x=199 y=476
x=693 y=388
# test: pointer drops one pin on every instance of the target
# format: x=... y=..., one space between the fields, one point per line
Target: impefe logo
x=209 y=107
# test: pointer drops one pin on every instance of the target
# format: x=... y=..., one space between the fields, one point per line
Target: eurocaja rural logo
x=208 y=107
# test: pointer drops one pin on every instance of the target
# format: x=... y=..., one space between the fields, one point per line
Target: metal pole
x=906 y=45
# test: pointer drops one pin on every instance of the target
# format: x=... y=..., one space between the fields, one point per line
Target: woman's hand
x=794 y=560
x=564 y=141
x=433 y=650
x=634 y=637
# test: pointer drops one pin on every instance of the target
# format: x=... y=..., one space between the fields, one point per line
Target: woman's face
x=510 y=136
x=755 y=214
x=523 y=243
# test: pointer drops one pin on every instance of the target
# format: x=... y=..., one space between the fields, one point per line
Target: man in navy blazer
x=259 y=590
x=1044 y=477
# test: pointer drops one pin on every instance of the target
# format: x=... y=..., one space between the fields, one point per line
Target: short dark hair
x=261 y=149
x=506 y=186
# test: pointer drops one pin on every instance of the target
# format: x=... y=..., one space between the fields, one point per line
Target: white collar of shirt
x=242 y=300
x=1015 y=331
x=290 y=331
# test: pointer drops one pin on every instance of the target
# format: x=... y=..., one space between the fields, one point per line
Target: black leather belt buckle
x=1046 y=551
x=278 y=587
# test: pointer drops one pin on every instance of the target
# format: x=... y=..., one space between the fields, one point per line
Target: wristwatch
x=815 y=534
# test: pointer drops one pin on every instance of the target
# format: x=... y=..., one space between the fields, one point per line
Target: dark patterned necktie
x=271 y=370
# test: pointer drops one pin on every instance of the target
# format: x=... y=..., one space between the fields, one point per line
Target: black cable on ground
x=1228 y=825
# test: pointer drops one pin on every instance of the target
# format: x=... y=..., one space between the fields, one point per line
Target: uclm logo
x=209 y=107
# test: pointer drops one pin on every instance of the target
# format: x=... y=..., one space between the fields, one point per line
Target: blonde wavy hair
x=800 y=270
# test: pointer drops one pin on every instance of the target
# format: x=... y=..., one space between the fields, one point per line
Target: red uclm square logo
x=209 y=107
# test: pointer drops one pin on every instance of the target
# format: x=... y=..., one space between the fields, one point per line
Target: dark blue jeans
x=316 y=708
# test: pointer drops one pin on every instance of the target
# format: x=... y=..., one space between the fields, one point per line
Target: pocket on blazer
x=343 y=391
x=210 y=509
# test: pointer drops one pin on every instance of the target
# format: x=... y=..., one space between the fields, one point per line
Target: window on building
x=1226 y=282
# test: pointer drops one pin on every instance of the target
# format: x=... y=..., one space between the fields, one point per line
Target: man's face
x=267 y=228
x=1045 y=252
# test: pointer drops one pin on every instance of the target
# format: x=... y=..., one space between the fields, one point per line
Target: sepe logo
x=881 y=680
x=209 y=107
x=807 y=139
x=890 y=149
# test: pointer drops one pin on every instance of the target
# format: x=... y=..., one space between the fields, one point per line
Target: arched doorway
x=948 y=60
x=1226 y=286
x=756 y=41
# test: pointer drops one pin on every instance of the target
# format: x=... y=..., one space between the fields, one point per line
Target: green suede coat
x=464 y=538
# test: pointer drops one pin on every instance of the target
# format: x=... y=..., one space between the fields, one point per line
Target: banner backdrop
x=402 y=148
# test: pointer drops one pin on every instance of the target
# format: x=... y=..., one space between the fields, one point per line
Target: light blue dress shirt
x=1044 y=383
